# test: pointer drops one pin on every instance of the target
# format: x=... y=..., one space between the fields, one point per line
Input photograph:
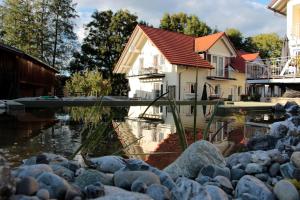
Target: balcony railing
x=150 y=70
x=283 y=67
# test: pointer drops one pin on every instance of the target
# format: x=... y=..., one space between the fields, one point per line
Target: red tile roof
x=239 y=63
x=206 y=42
x=177 y=48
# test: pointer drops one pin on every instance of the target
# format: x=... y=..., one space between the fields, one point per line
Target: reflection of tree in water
x=98 y=136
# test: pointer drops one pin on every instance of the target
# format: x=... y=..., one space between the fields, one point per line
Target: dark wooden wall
x=21 y=76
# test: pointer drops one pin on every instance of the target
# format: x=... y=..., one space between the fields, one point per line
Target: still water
x=152 y=138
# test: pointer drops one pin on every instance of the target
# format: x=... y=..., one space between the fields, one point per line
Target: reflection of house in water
x=145 y=136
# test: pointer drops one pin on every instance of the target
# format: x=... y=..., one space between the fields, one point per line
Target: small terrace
x=274 y=70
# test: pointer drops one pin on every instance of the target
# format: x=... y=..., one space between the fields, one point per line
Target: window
x=141 y=62
x=218 y=62
x=155 y=60
x=172 y=91
x=218 y=90
x=190 y=87
x=239 y=90
x=162 y=60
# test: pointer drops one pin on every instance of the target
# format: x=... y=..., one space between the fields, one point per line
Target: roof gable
x=239 y=62
x=206 y=42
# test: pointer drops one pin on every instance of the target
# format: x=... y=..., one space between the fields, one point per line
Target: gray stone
x=115 y=193
x=158 y=192
x=32 y=170
x=43 y=194
x=261 y=142
x=90 y=177
x=276 y=156
x=262 y=176
x=7 y=182
x=73 y=193
x=27 y=186
x=188 y=189
x=279 y=108
x=295 y=159
x=165 y=178
x=23 y=197
x=108 y=164
x=225 y=184
x=194 y=158
x=284 y=190
x=63 y=172
x=253 y=168
x=216 y=193
x=247 y=196
x=239 y=159
x=288 y=104
x=214 y=170
x=279 y=130
x=56 y=185
x=94 y=191
x=203 y=179
x=261 y=158
x=237 y=173
x=287 y=170
x=274 y=169
x=135 y=180
x=55 y=159
x=250 y=184
x=136 y=165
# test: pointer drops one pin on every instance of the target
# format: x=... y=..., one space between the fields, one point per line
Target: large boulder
x=295 y=159
x=216 y=193
x=251 y=185
x=108 y=164
x=32 y=170
x=285 y=190
x=194 y=158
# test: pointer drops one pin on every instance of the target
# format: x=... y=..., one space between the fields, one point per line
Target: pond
x=152 y=138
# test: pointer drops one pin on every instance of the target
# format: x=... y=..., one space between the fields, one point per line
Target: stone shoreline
x=269 y=170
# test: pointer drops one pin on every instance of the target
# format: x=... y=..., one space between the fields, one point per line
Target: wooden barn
x=22 y=75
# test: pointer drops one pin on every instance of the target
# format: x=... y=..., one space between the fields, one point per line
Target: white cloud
x=249 y=16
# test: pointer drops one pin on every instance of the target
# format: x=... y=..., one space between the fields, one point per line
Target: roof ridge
x=161 y=29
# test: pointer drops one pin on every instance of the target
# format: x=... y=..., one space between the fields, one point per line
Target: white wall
x=293 y=23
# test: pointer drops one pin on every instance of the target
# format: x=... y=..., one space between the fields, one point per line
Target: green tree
x=269 y=45
x=88 y=83
x=182 y=23
x=108 y=34
x=236 y=37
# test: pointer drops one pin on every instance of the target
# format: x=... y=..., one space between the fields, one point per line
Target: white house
x=156 y=61
x=271 y=77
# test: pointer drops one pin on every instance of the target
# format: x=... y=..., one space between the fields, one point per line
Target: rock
x=165 y=178
x=279 y=108
x=203 y=179
x=158 y=192
x=225 y=184
x=90 y=177
x=247 y=196
x=135 y=180
x=237 y=173
x=27 y=186
x=55 y=159
x=295 y=159
x=137 y=165
x=261 y=158
x=94 y=191
x=56 y=186
x=261 y=142
x=296 y=174
x=293 y=109
x=216 y=193
x=63 y=172
x=188 y=189
x=23 y=197
x=214 y=170
x=254 y=168
x=235 y=159
x=250 y=184
x=41 y=159
x=194 y=158
x=71 y=165
x=73 y=193
x=287 y=170
x=7 y=182
x=288 y=104
x=108 y=164
x=262 y=176
x=115 y=193
x=43 y=194
x=284 y=190
x=274 y=169
x=279 y=130
x=33 y=170
x=295 y=120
